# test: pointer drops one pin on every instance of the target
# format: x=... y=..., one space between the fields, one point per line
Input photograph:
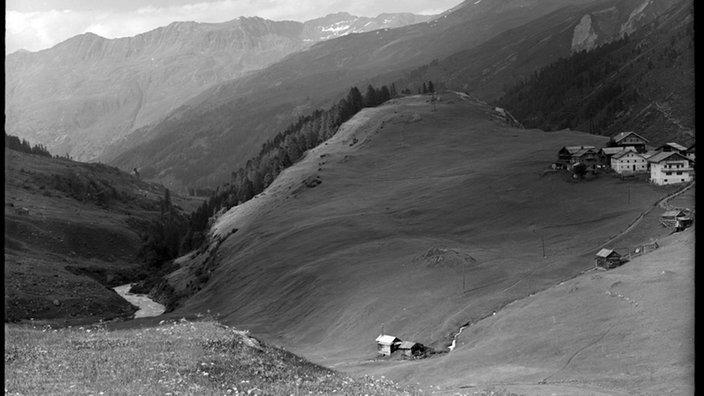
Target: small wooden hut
x=387 y=344
x=607 y=259
x=410 y=348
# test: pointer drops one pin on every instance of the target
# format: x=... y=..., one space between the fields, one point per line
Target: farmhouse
x=631 y=139
x=628 y=161
x=606 y=153
x=387 y=344
x=587 y=156
x=607 y=259
x=670 y=168
x=410 y=348
x=567 y=153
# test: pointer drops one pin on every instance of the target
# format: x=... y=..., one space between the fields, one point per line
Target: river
x=147 y=307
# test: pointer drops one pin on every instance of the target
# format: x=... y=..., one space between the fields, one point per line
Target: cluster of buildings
x=629 y=153
x=388 y=344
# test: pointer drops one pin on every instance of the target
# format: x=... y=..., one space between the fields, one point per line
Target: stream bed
x=147 y=307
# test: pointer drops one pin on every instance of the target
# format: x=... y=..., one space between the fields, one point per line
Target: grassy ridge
x=175 y=358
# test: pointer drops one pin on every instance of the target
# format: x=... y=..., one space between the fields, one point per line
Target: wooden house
x=677 y=219
x=607 y=259
x=566 y=154
x=628 y=161
x=670 y=168
x=387 y=344
x=410 y=348
x=672 y=147
x=588 y=156
x=631 y=139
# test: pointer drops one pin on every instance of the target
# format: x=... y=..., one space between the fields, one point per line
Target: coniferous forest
x=611 y=88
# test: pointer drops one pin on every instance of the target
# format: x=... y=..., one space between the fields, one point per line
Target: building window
x=679 y=173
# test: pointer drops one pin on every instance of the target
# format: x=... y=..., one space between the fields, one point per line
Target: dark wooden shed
x=410 y=348
x=607 y=259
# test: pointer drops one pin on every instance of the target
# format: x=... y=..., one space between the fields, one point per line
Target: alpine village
x=479 y=197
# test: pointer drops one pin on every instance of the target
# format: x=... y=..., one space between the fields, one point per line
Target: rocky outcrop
x=584 y=36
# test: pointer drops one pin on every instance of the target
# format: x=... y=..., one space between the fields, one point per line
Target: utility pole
x=542 y=241
x=464 y=270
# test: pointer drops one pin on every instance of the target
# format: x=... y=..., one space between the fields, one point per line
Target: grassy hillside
x=203 y=358
x=71 y=231
x=419 y=220
x=625 y=331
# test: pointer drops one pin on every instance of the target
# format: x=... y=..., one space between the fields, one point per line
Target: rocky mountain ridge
x=88 y=91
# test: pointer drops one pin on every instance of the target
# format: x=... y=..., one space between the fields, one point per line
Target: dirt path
x=661 y=203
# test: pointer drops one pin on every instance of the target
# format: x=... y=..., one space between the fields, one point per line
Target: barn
x=387 y=344
x=410 y=348
x=608 y=259
x=631 y=139
x=672 y=147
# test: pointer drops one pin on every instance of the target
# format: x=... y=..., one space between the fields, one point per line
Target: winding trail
x=662 y=203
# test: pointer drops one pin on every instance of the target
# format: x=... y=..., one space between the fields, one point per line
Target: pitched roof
x=673 y=213
x=675 y=146
x=614 y=150
x=649 y=153
x=574 y=149
x=606 y=253
x=583 y=151
x=659 y=157
x=625 y=152
x=387 y=339
x=691 y=148
x=622 y=135
x=407 y=345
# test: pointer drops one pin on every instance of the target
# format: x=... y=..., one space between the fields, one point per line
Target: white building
x=628 y=161
x=670 y=168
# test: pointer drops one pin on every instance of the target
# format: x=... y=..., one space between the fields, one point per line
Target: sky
x=38 y=24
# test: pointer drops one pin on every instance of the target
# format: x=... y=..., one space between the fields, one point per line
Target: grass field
x=173 y=358
x=423 y=221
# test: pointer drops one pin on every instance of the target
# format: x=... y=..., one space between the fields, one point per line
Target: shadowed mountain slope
x=72 y=230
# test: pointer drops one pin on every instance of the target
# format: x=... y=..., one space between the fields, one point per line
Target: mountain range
x=87 y=92
x=489 y=46
x=189 y=103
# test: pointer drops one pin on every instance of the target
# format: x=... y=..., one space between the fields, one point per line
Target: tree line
x=277 y=154
x=17 y=144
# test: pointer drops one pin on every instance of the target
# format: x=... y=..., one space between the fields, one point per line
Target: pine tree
x=431 y=87
x=370 y=98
